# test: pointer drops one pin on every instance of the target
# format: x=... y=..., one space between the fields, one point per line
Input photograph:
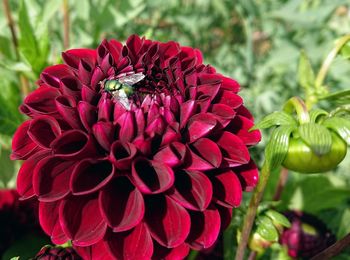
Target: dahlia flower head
x=148 y=179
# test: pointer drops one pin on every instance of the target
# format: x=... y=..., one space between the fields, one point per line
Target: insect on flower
x=122 y=88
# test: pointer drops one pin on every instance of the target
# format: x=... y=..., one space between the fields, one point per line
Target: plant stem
x=65 y=24
x=281 y=183
x=24 y=81
x=328 y=61
x=11 y=25
x=334 y=249
x=251 y=213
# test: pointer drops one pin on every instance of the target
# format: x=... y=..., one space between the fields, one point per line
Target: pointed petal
x=209 y=151
x=22 y=145
x=49 y=221
x=73 y=57
x=43 y=130
x=52 y=75
x=87 y=114
x=187 y=109
x=240 y=126
x=200 y=125
x=121 y=205
x=73 y=144
x=248 y=175
x=104 y=133
x=122 y=154
x=51 y=178
x=194 y=162
x=96 y=251
x=25 y=175
x=233 y=148
x=205 y=228
x=178 y=253
x=193 y=190
x=82 y=221
x=228 y=98
x=168 y=222
x=126 y=123
x=105 y=109
x=151 y=177
x=227 y=189
x=66 y=106
x=91 y=175
x=129 y=245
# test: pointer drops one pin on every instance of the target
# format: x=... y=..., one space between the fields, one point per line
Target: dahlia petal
x=168 y=222
x=151 y=177
x=178 y=253
x=209 y=79
x=140 y=119
x=104 y=134
x=157 y=126
x=209 y=151
x=25 y=175
x=52 y=75
x=193 y=190
x=43 y=130
x=227 y=189
x=200 y=125
x=230 y=84
x=105 y=108
x=73 y=144
x=42 y=101
x=88 y=95
x=83 y=230
x=87 y=114
x=224 y=113
x=96 y=251
x=210 y=90
x=143 y=144
x=97 y=77
x=240 y=126
x=126 y=124
x=66 y=106
x=186 y=111
x=22 y=145
x=203 y=104
x=71 y=86
x=115 y=48
x=171 y=134
x=248 y=175
x=91 y=175
x=49 y=221
x=233 y=148
x=106 y=63
x=205 y=228
x=195 y=162
x=74 y=57
x=122 y=154
x=129 y=245
x=225 y=216
x=169 y=156
x=121 y=205
x=119 y=110
x=228 y=98
x=51 y=178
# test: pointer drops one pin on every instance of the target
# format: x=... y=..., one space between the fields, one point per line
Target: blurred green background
x=257 y=42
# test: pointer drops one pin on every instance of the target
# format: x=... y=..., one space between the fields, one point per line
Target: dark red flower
x=308 y=235
x=17 y=218
x=57 y=253
x=155 y=172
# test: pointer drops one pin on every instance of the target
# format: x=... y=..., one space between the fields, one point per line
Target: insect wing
x=131 y=79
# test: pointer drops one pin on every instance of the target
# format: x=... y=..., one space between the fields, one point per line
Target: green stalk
x=328 y=61
x=297 y=104
x=251 y=213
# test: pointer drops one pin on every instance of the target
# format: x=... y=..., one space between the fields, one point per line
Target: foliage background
x=257 y=42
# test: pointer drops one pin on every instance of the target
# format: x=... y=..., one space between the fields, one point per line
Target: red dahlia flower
x=149 y=168
x=308 y=235
x=57 y=253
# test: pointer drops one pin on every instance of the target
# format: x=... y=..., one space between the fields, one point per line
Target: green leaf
x=266 y=229
x=345 y=51
x=15 y=258
x=340 y=125
x=278 y=218
x=5 y=47
x=275 y=119
x=277 y=147
x=339 y=96
x=8 y=169
x=306 y=75
x=316 y=114
x=317 y=137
